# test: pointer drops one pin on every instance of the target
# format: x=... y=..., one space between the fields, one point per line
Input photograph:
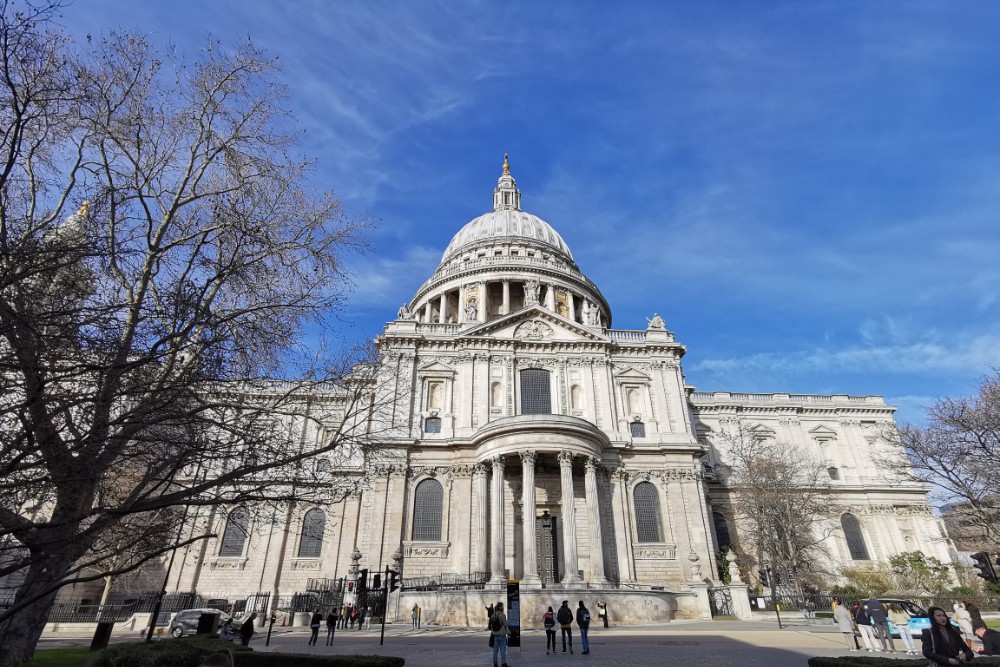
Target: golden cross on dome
x=506 y=165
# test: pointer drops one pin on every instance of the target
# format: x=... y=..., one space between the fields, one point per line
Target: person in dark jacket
x=864 y=625
x=990 y=639
x=943 y=644
x=246 y=630
x=977 y=617
x=565 y=618
x=331 y=626
x=880 y=623
x=583 y=620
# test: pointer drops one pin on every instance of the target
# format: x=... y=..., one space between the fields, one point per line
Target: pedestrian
x=977 y=617
x=880 y=623
x=964 y=620
x=942 y=643
x=414 y=614
x=489 y=615
x=354 y=616
x=246 y=629
x=368 y=618
x=499 y=631
x=345 y=615
x=565 y=618
x=331 y=626
x=549 y=621
x=845 y=623
x=602 y=612
x=314 y=623
x=583 y=620
x=990 y=639
x=901 y=620
x=864 y=625
x=362 y=615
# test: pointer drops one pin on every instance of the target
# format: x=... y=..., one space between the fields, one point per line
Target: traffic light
x=392 y=579
x=981 y=561
x=350 y=586
x=363 y=580
x=376 y=581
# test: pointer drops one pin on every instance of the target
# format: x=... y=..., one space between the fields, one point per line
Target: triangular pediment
x=633 y=375
x=823 y=432
x=436 y=368
x=535 y=324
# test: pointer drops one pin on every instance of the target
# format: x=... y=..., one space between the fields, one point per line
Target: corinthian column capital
x=528 y=457
x=566 y=458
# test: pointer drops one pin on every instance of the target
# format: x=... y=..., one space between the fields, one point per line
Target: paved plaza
x=679 y=643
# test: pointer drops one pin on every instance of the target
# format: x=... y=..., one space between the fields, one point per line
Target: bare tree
x=161 y=255
x=779 y=504
x=958 y=453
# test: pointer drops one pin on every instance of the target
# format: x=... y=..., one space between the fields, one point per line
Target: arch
x=536 y=392
x=634 y=400
x=234 y=538
x=648 y=526
x=722 y=531
x=576 y=397
x=855 y=538
x=313 y=527
x=428 y=502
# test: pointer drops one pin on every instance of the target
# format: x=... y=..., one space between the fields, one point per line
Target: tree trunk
x=19 y=634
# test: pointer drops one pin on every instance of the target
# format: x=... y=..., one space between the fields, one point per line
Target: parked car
x=919 y=619
x=186 y=621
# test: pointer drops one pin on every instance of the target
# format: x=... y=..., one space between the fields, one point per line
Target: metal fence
x=447 y=581
x=823 y=602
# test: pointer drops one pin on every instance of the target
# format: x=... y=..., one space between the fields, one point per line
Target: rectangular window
x=536 y=396
x=432 y=425
x=637 y=429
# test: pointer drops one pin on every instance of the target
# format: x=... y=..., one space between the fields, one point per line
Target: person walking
x=864 y=625
x=345 y=615
x=314 y=623
x=942 y=643
x=362 y=615
x=499 y=631
x=583 y=620
x=880 y=623
x=901 y=620
x=414 y=614
x=331 y=626
x=602 y=612
x=964 y=620
x=549 y=621
x=368 y=618
x=246 y=629
x=845 y=623
x=565 y=618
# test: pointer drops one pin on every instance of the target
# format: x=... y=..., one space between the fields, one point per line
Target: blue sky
x=807 y=192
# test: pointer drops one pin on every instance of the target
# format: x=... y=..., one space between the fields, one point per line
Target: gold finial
x=506 y=165
x=84 y=207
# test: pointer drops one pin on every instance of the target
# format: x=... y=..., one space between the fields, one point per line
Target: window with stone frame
x=428 y=506
x=722 y=531
x=536 y=392
x=647 y=512
x=432 y=425
x=313 y=527
x=234 y=537
x=435 y=395
x=637 y=429
x=854 y=536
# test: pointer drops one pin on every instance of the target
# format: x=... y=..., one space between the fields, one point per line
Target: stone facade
x=530 y=440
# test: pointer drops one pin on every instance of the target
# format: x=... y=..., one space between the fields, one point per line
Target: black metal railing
x=447 y=581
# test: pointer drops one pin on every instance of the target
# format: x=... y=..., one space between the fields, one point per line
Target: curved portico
x=527 y=439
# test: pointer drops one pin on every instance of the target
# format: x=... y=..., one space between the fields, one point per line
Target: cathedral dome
x=507 y=224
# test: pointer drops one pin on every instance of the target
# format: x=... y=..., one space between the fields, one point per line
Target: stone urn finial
x=695 y=566
x=734 y=569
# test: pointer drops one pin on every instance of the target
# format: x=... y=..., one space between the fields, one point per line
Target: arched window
x=313 y=527
x=535 y=392
x=647 y=512
x=427 y=505
x=722 y=531
x=435 y=395
x=855 y=539
x=235 y=535
x=576 y=397
x=496 y=395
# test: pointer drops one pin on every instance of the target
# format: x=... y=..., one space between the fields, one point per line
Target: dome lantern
x=506 y=196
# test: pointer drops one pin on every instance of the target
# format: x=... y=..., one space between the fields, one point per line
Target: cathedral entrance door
x=545 y=538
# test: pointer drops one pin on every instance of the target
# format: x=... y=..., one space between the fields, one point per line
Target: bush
x=866 y=661
x=300 y=660
x=186 y=652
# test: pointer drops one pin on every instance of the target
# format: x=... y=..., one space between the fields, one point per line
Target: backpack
x=549 y=620
x=495 y=623
x=565 y=616
x=586 y=616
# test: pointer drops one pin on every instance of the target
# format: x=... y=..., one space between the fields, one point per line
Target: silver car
x=186 y=621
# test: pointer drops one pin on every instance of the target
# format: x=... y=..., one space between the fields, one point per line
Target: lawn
x=61 y=657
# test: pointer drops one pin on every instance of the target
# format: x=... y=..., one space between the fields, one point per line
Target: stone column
x=428 y=309
x=443 y=313
x=550 y=297
x=530 y=565
x=482 y=521
x=497 y=560
x=571 y=305
x=594 y=515
x=506 y=297
x=481 y=303
x=571 y=563
x=461 y=304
